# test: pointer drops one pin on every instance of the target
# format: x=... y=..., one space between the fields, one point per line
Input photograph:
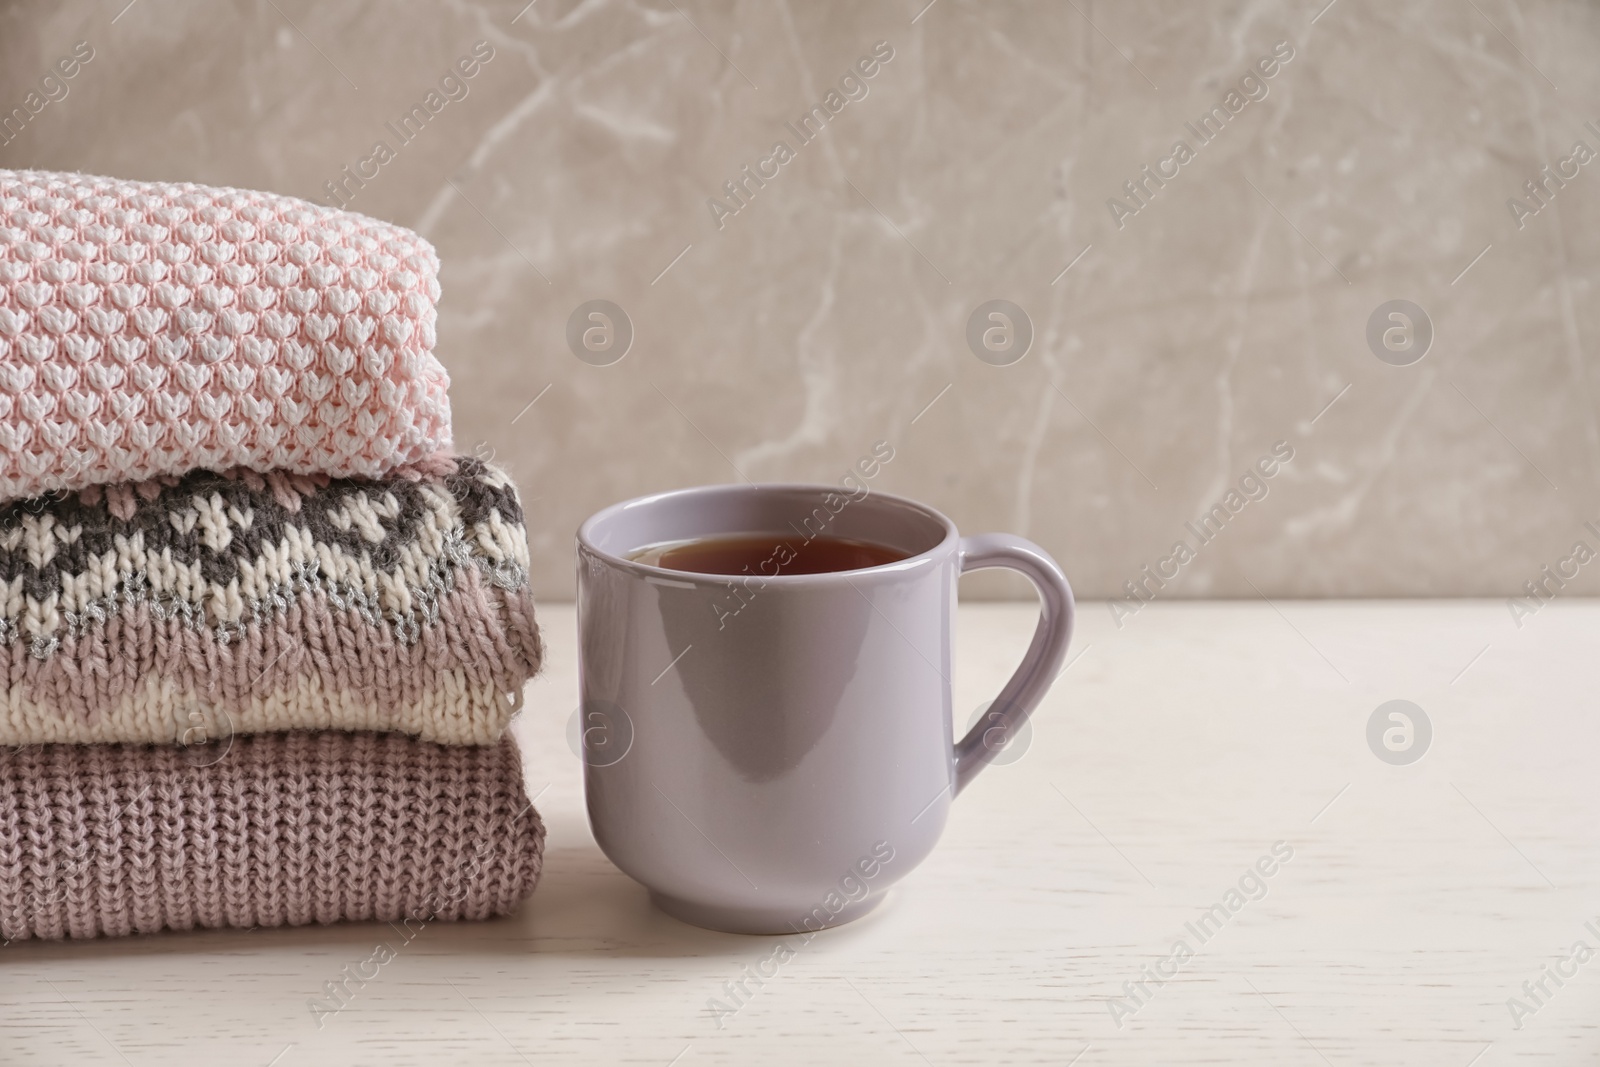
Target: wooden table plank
x=1169 y=760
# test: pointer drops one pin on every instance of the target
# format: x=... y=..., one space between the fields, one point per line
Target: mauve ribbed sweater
x=287 y=828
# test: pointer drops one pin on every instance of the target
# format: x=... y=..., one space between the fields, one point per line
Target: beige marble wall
x=1172 y=348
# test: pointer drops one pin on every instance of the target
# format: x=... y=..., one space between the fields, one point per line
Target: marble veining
x=1229 y=312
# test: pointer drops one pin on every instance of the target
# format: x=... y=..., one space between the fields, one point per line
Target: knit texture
x=197 y=607
x=281 y=829
x=147 y=328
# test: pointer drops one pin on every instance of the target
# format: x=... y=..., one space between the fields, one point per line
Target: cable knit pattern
x=194 y=608
x=279 y=829
x=147 y=328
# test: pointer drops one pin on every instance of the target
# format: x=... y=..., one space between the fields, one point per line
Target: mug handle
x=1043 y=660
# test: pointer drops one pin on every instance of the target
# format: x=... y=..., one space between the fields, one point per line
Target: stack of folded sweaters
x=261 y=633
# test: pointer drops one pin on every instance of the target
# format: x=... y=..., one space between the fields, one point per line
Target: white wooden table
x=1169 y=759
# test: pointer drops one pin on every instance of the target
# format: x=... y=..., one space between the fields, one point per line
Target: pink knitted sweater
x=268 y=830
x=149 y=328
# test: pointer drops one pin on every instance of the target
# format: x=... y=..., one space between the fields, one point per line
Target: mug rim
x=648 y=570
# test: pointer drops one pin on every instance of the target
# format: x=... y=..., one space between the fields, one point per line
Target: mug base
x=758 y=920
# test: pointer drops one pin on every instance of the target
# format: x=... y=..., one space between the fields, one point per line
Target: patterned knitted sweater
x=148 y=328
x=193 y=608
x=260 y=831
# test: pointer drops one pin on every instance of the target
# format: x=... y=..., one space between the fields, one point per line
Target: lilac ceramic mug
x=768 y=753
